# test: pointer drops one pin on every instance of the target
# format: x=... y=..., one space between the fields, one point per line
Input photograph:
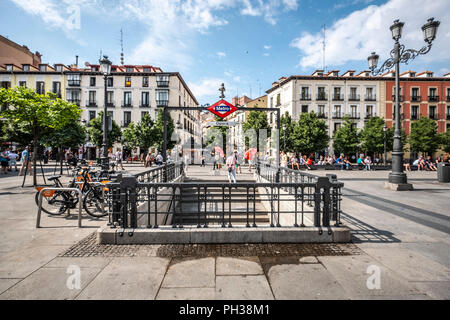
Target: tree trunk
x=61 y=155
x=35 y=150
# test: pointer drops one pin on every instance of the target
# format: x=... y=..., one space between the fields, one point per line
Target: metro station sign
x=222 y=108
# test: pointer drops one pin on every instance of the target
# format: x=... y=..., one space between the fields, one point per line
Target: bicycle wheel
x=92 y=202
x=54 y=205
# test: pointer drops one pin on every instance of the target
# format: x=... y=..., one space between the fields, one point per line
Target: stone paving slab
x=127 y=279
x=190 y=273
x=242 y=266
x=304 y=282
x=85 y=262
x=251 y=287
x=49 y=284
x=435 y=289
x=352 y=274
x=5 y=284
x=186 y=294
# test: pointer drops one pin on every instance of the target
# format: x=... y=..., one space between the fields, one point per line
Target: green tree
x=36 y=113
x=211 y=134
x=424 y=137
x=286 y=136
x=346 y=138
x=310 y=134
x=256 y=120
x=372 y=135
x=390 y=139
x=141 y=134
x=95 y=131
x=130 y=136
x=444 y=139
x=159 y=131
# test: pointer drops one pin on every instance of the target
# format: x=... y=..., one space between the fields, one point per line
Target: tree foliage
x=256 y=120
x=159 y=131
x=372 y=135
x=286 y=135
x=142 y=134
x=35 y=113
x=95 y=132
x=424 y=137
x=444 y=139
x=72 y=135
x=309 y=134
x=346 y=138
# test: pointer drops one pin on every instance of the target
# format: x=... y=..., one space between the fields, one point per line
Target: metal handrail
x=80 y=204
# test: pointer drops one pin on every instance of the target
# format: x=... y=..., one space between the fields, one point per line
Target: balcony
x=337 y=115
x=354 y=115
x=371 y=97
x=145 y=104
x=354 y=97
x=91 y=104
x=400 y=98
x=370 y=115
x=125 y=123
x=162 y=103
x=75 y=101
x=305 y=97
x=433 y=116
x=414 y=116
x=110 y=105
x=402 y=116
x=321 y=97
x=162 y=83
x=338 y=97
x=416 y=98
x=433 y=98
x=73 y=83
x=322 y=115
x=127 y=104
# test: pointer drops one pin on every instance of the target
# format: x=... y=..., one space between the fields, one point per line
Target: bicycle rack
x=80 y=204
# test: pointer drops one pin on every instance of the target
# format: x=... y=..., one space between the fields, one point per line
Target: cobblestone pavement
x=89 y=247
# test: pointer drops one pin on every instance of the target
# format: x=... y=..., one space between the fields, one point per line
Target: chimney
x=76 y=61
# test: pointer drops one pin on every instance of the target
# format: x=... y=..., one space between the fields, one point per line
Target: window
x=162 y=80
x=321 y=93
x=353 y=94
x=162 y=97
x=336 y=127
x=110 y=82
x=40 y=87
x=127 y=99
x=127 y=81
x=271 y=102
x=59 y=68
x=432 y=112
x=143 y=113
x=145 y=81
x=22 y=83
x=42 y=68
x=92 y=115
x=26 y=67
x=145 y=99
x=73 y=79
x=304 y=108
x=147 y=70
x=92 y=81
x=414 y=112
x=432 y=92
x=110 y=98
x=337 y=112
x=92 y=97
x=126 y=118
x=9 y=67
x=305 y=93
x=57 y=88
x=369 y=111
x=6 y=84
x=448 y=112
x=130 y=69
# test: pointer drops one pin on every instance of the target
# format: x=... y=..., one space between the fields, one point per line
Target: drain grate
x=88 y=247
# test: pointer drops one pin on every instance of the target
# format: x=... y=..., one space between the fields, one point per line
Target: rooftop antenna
x=121 y=46
x=100 y=55
x=324 y=46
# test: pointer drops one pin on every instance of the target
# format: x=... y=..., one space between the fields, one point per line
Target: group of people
x=9 y=159
x=426 y=164
x=153 y=159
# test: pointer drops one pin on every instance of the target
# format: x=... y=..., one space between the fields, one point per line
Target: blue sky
x=247 y=44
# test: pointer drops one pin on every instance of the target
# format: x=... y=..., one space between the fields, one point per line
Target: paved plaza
x=401 y=236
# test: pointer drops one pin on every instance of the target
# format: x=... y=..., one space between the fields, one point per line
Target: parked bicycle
x=90 y=183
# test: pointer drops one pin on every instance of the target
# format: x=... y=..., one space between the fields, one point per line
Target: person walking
x=4 y=161
x=13 y=160
x=148 y=160
x=159 y=159
x=231 y=164
x=26 y=163
x=238 y=163
x=119 y=159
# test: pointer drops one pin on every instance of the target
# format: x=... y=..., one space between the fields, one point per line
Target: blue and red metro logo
x=222 y=108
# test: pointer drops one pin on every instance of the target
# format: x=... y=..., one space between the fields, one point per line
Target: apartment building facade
x=132 y=91
x=330 y=95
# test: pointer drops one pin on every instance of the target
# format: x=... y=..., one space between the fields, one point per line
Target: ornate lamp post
x=105 y=66
x=385 y=153
x=397 y=178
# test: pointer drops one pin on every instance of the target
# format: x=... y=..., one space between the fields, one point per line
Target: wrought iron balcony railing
x=400 y=98
x=91 y=103
x=337 y=115
x=353 y=97
x=354 y=115
x=338 y=97
x=322 y=115
x=305 y=97
x=433 y=98
x=162 y=103
x=371 y=97
x=416 y=98
x=127 y=104
x=145 y=104
x=162 y=84
x=73 y=83
x=321 y=96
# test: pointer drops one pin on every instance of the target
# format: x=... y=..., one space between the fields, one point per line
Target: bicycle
x=57 y=202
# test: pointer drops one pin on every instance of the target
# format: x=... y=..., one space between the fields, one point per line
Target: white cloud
x=221 y=54
x=355 y=36
x=207 y=87
x=267 y=47
x=266 y=54
x=268 y=9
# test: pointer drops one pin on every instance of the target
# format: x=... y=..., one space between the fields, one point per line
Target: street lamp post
x=397 y=178
x=385 y=153
x=105 y=66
